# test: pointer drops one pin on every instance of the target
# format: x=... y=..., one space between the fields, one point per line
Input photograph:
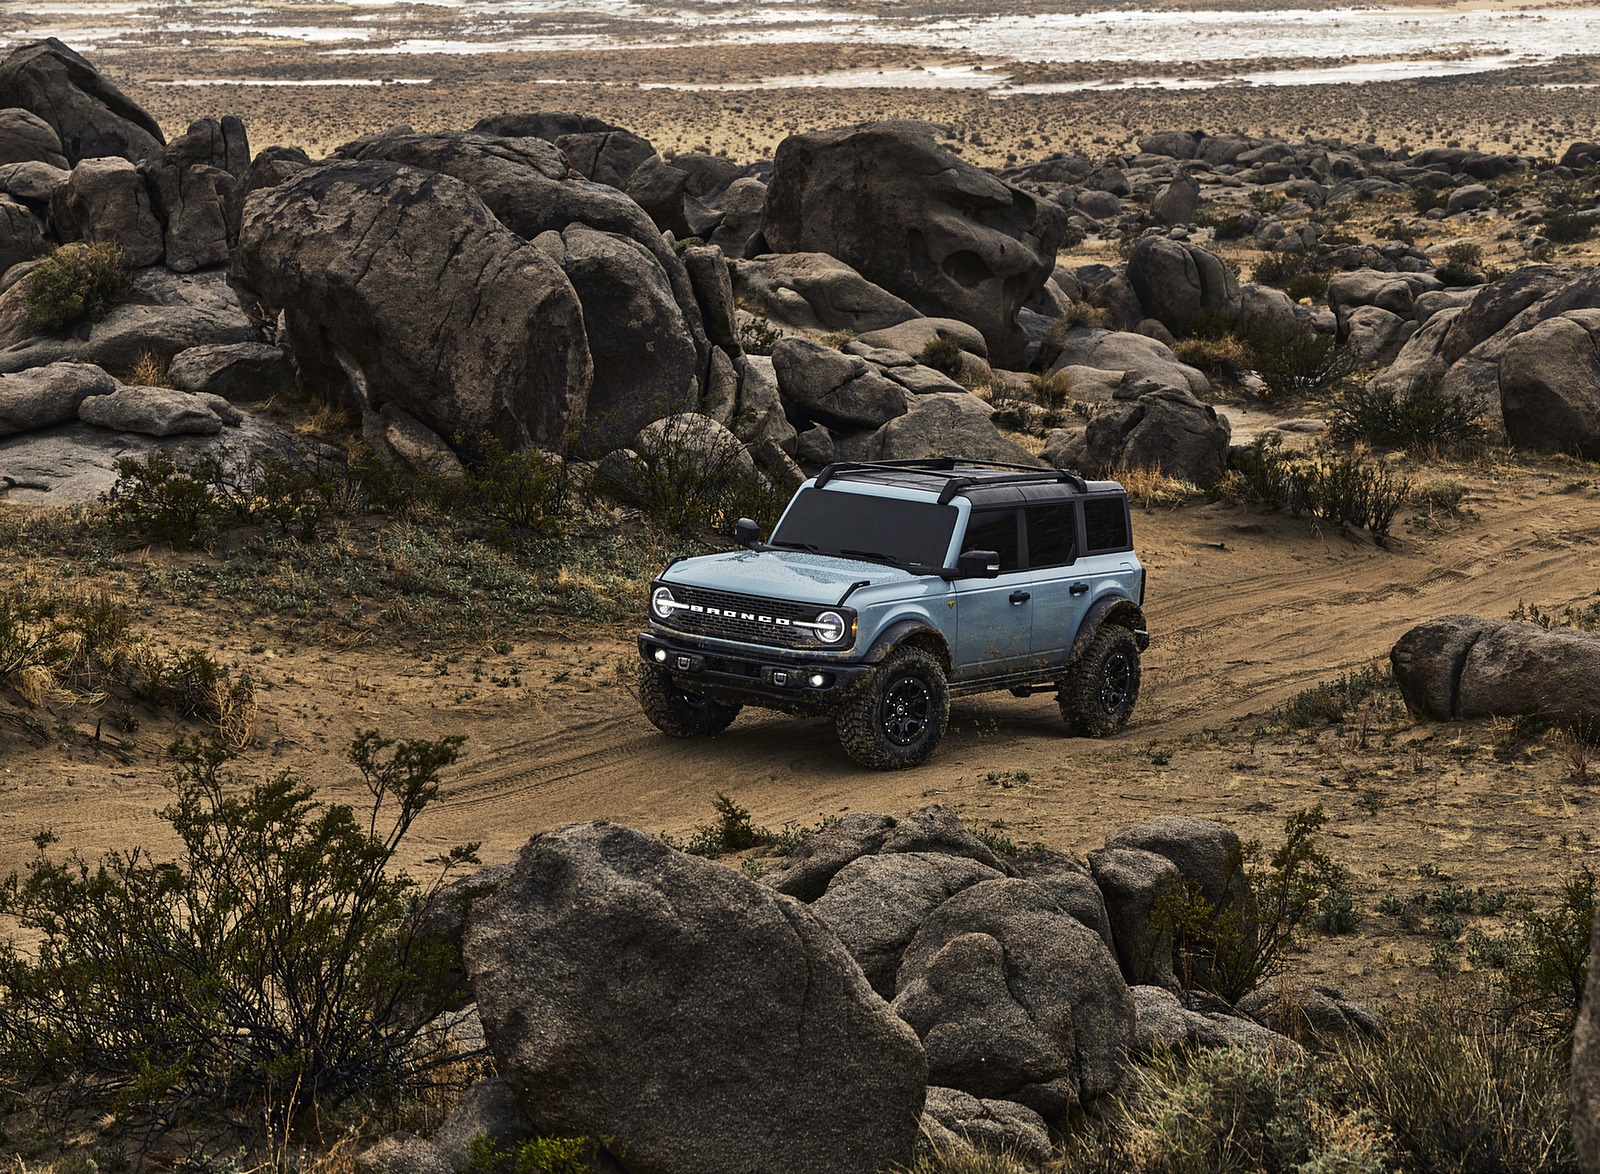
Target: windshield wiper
x=807 y=546
x=876 y=556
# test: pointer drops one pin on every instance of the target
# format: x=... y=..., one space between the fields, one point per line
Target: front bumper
x=774 y=682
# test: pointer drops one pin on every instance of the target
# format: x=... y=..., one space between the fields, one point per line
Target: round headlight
x=661 y=603
x=830 y=627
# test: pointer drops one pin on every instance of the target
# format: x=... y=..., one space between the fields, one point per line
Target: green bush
x=1463 y=264
x=267 y=965
x=1296 y=274
x=1458 y=1090
x=75 y=283
x=1567 y=228
x=1423 y=422
x=1545 y=959
x=1229 y=950
x=1296 y=359
x=537 y=1155
x=1351 y=489
x=687 y=481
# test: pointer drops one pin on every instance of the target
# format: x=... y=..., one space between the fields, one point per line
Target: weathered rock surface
x=400 y=286
x=1550 y=385
x=1586 y=1067
x=153 y=411
x=836 y=389
x=1315 y=1013
x=1132 y=881
x=909 y=216
x=90 y=116
x=658 y=972
x=27 y=138
x=946 y=424
x=235 y=371
x=1180 y=284
x=398 y=438
x=1015 y=999
x=108 y=200
x=1471 y=667
x=1002 y=1127
x=807 y=871
x=1164 y=1023
x=1132 y=354
x=645 y=364
x=162 y=314
x=813 y=291
x=21 y=234
x=1149 y=426
x=876 y=903
x=49 y=395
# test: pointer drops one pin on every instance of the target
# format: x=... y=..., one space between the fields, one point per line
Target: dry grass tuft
x=1150 y=487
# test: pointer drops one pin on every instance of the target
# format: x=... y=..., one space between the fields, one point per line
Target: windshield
x=914 y=534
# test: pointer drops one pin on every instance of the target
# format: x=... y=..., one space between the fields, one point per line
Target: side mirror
x=746 y=533
x=978 y=564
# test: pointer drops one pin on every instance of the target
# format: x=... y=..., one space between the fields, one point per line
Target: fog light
x=661 y=656
x=818 y=680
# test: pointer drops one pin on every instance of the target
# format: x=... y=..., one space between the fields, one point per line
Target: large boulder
x=692 y=1018
x=1016 y=999
x=241 y=370
x=194 y=188
x=525 y=183
x=108 y=200
x=90 y=116
x=876 y=903
x=938 y=424
x=1135 y=355
x=162 y=314
x=836 y=389
x=399 y=285
x=49 y=395
x=1182 y=285
x=807 y=871
x=1147 y=426
x=1471 y=667
x=645 y=365
x=909 y=216
x=1550 y=385
x=21 y=235
x=153 y=411
x=27 y=138
x=1206 y=853
x=1133 y=882
x=813 y=291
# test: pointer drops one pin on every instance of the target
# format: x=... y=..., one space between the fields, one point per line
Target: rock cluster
x=891 y=984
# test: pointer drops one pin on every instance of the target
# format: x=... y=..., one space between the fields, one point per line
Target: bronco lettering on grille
x=732 y=614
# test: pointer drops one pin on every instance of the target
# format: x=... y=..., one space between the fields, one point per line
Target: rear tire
x=1098 y=697
x=898 y=718
x=680 y=714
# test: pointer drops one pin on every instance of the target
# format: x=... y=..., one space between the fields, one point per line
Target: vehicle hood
x=781 y=574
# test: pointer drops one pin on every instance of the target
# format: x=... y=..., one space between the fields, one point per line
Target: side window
x=1105 y=524
x=994 y=530
x=1050 y=535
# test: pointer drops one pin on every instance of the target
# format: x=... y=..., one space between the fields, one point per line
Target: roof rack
x=955 y=482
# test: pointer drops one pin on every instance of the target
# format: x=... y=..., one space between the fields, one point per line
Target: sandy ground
x=1246 y=610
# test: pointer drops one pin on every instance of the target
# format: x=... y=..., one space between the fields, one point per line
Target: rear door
x=1060 y=591
x=1101 y=561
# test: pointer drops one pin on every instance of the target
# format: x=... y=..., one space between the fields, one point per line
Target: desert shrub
x=1230 y=950
x=968 y=1161
x=1585 y=618
x=60 y=643
x=1295 y=359
x=1226 y=358
x=687 y=482
x=1350 y=489
x=1463 y=264
x=1425 y=421
x=1232 y=227
x=838 y=339
x=1544 y=959
x=519 y=493
x=1334 y=701
x=1458 y=1090
x=536 y=1155
x=76 y=283
x=1228 y=1111
x=1050 y=390
x=1294 y=273
x=1567 y=228
x=944 y=354
x=148 y=370
x=1425 y=199
x=267 y=965
x=179 y=504
x=1148 y=486
x=758 y=335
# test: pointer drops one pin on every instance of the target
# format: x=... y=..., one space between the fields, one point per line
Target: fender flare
x=899 y=632
x=1109 y=609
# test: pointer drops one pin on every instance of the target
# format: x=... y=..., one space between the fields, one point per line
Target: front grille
x=748 y=619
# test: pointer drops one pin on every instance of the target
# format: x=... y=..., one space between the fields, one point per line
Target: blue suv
x=889 y=587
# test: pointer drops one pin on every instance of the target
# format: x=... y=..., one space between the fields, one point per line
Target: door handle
x=1078 y=588
x=1020 y=597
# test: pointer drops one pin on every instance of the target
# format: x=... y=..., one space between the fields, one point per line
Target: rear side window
x=1050 y=535
x=994 y=530
x=1105 y=524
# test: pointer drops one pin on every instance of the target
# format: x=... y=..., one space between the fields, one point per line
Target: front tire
x=1098 y=698
x=680 y=714
x=899 y=716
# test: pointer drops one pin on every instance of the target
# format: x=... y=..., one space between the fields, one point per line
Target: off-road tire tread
x=676 y=713
x=1079 y=695
x=857 y=722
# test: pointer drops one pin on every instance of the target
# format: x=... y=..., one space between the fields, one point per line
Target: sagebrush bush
x=267 y=965
x=944 y=354
x=1350 y=488
x=1422 y=422
x=1463 y=264
x=1568 y=228
x=1294 y=273
x=75 y=283
x=1295 y=359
